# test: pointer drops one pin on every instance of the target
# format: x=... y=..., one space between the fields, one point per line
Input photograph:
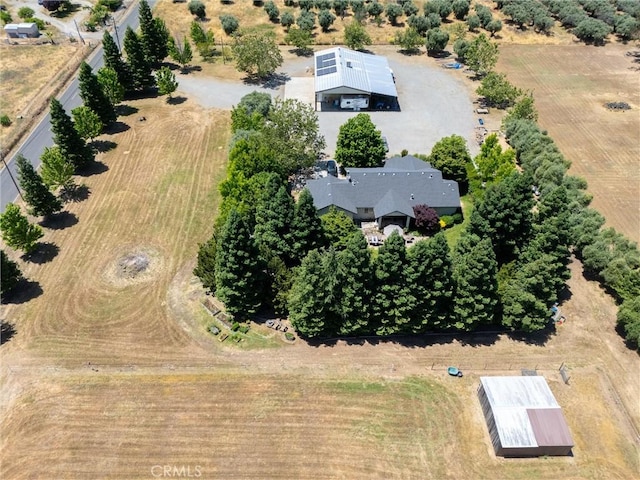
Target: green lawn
x=453 y=233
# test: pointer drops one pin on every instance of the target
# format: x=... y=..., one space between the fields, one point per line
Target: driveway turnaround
x=434 y=102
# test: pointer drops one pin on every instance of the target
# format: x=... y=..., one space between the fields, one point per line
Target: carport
x=350 y=80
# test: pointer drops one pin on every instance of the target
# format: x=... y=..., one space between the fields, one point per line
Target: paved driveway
x=434 y=102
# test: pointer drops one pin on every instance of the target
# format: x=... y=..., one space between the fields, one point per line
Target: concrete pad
x=301 y=89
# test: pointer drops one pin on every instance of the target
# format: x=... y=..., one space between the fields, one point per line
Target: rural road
x=41 y=136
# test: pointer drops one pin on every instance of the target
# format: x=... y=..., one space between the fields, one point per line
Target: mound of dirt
x=619 y=106
x=134 y=266
x=130 y=266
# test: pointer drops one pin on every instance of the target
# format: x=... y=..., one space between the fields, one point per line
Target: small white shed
x=22 y=30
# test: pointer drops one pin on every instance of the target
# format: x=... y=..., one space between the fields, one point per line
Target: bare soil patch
x=571 y=85
x=137 y=265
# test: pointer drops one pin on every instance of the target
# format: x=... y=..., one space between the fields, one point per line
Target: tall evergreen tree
x=332 y=292
x=506 y=210
x=113 y=60
x=393 y=301
x=309 y=310
x=431 y=281
x=71 y=144
x=354 y=281
x=139 y=66
x=206 y=267
x=279 y=281
x=154 y=35
x=238 y=270
x=274 y=216
x=527 y=296
x=34 y=191
x=551 y=236
x=474 y=272
x=93 y=95
x=9 y=272
x=306 y=228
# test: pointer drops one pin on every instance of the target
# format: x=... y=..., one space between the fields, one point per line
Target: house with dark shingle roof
x=387 y=194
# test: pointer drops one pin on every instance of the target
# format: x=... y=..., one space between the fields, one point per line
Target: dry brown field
x=108 y=377
x=29 y=75
x=571 y=84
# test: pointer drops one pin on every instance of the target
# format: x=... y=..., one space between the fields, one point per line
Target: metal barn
x=523 y=417
x=346 y=79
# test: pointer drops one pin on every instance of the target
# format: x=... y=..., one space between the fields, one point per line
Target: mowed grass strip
x=232 y=426
x=275 y=426
x=156 y=193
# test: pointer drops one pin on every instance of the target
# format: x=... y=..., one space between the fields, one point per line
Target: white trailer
x=354 y=102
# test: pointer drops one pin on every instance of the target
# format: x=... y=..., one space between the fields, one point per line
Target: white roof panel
x=512 y=399
x=527 y=392
x=514 y=428
x=340 y=67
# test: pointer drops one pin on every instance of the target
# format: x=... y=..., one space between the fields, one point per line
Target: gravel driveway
x=434 y=102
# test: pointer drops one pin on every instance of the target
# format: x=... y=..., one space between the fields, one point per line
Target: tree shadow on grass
x=539 y=338
x=117 y=127
x=142 y=94
x=44 y=253
x=126 y=110
x=176 y=100
x=102 y=146
x=93 y=168
x=60 y=221
x=7 y=330
x=472 y=339
x=24 y=291
x=77 y=193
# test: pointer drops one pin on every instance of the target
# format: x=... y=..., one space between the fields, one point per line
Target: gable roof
x=408 y=162
x=525 y=412
x=340 y=67
x=388 y=190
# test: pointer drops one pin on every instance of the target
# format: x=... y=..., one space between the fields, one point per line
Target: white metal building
x=354 y=80
x=523 y=417
x=22 y=30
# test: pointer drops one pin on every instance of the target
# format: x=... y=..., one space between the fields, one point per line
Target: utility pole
x=115 y=28
x=78 y=30
x=12 y=178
